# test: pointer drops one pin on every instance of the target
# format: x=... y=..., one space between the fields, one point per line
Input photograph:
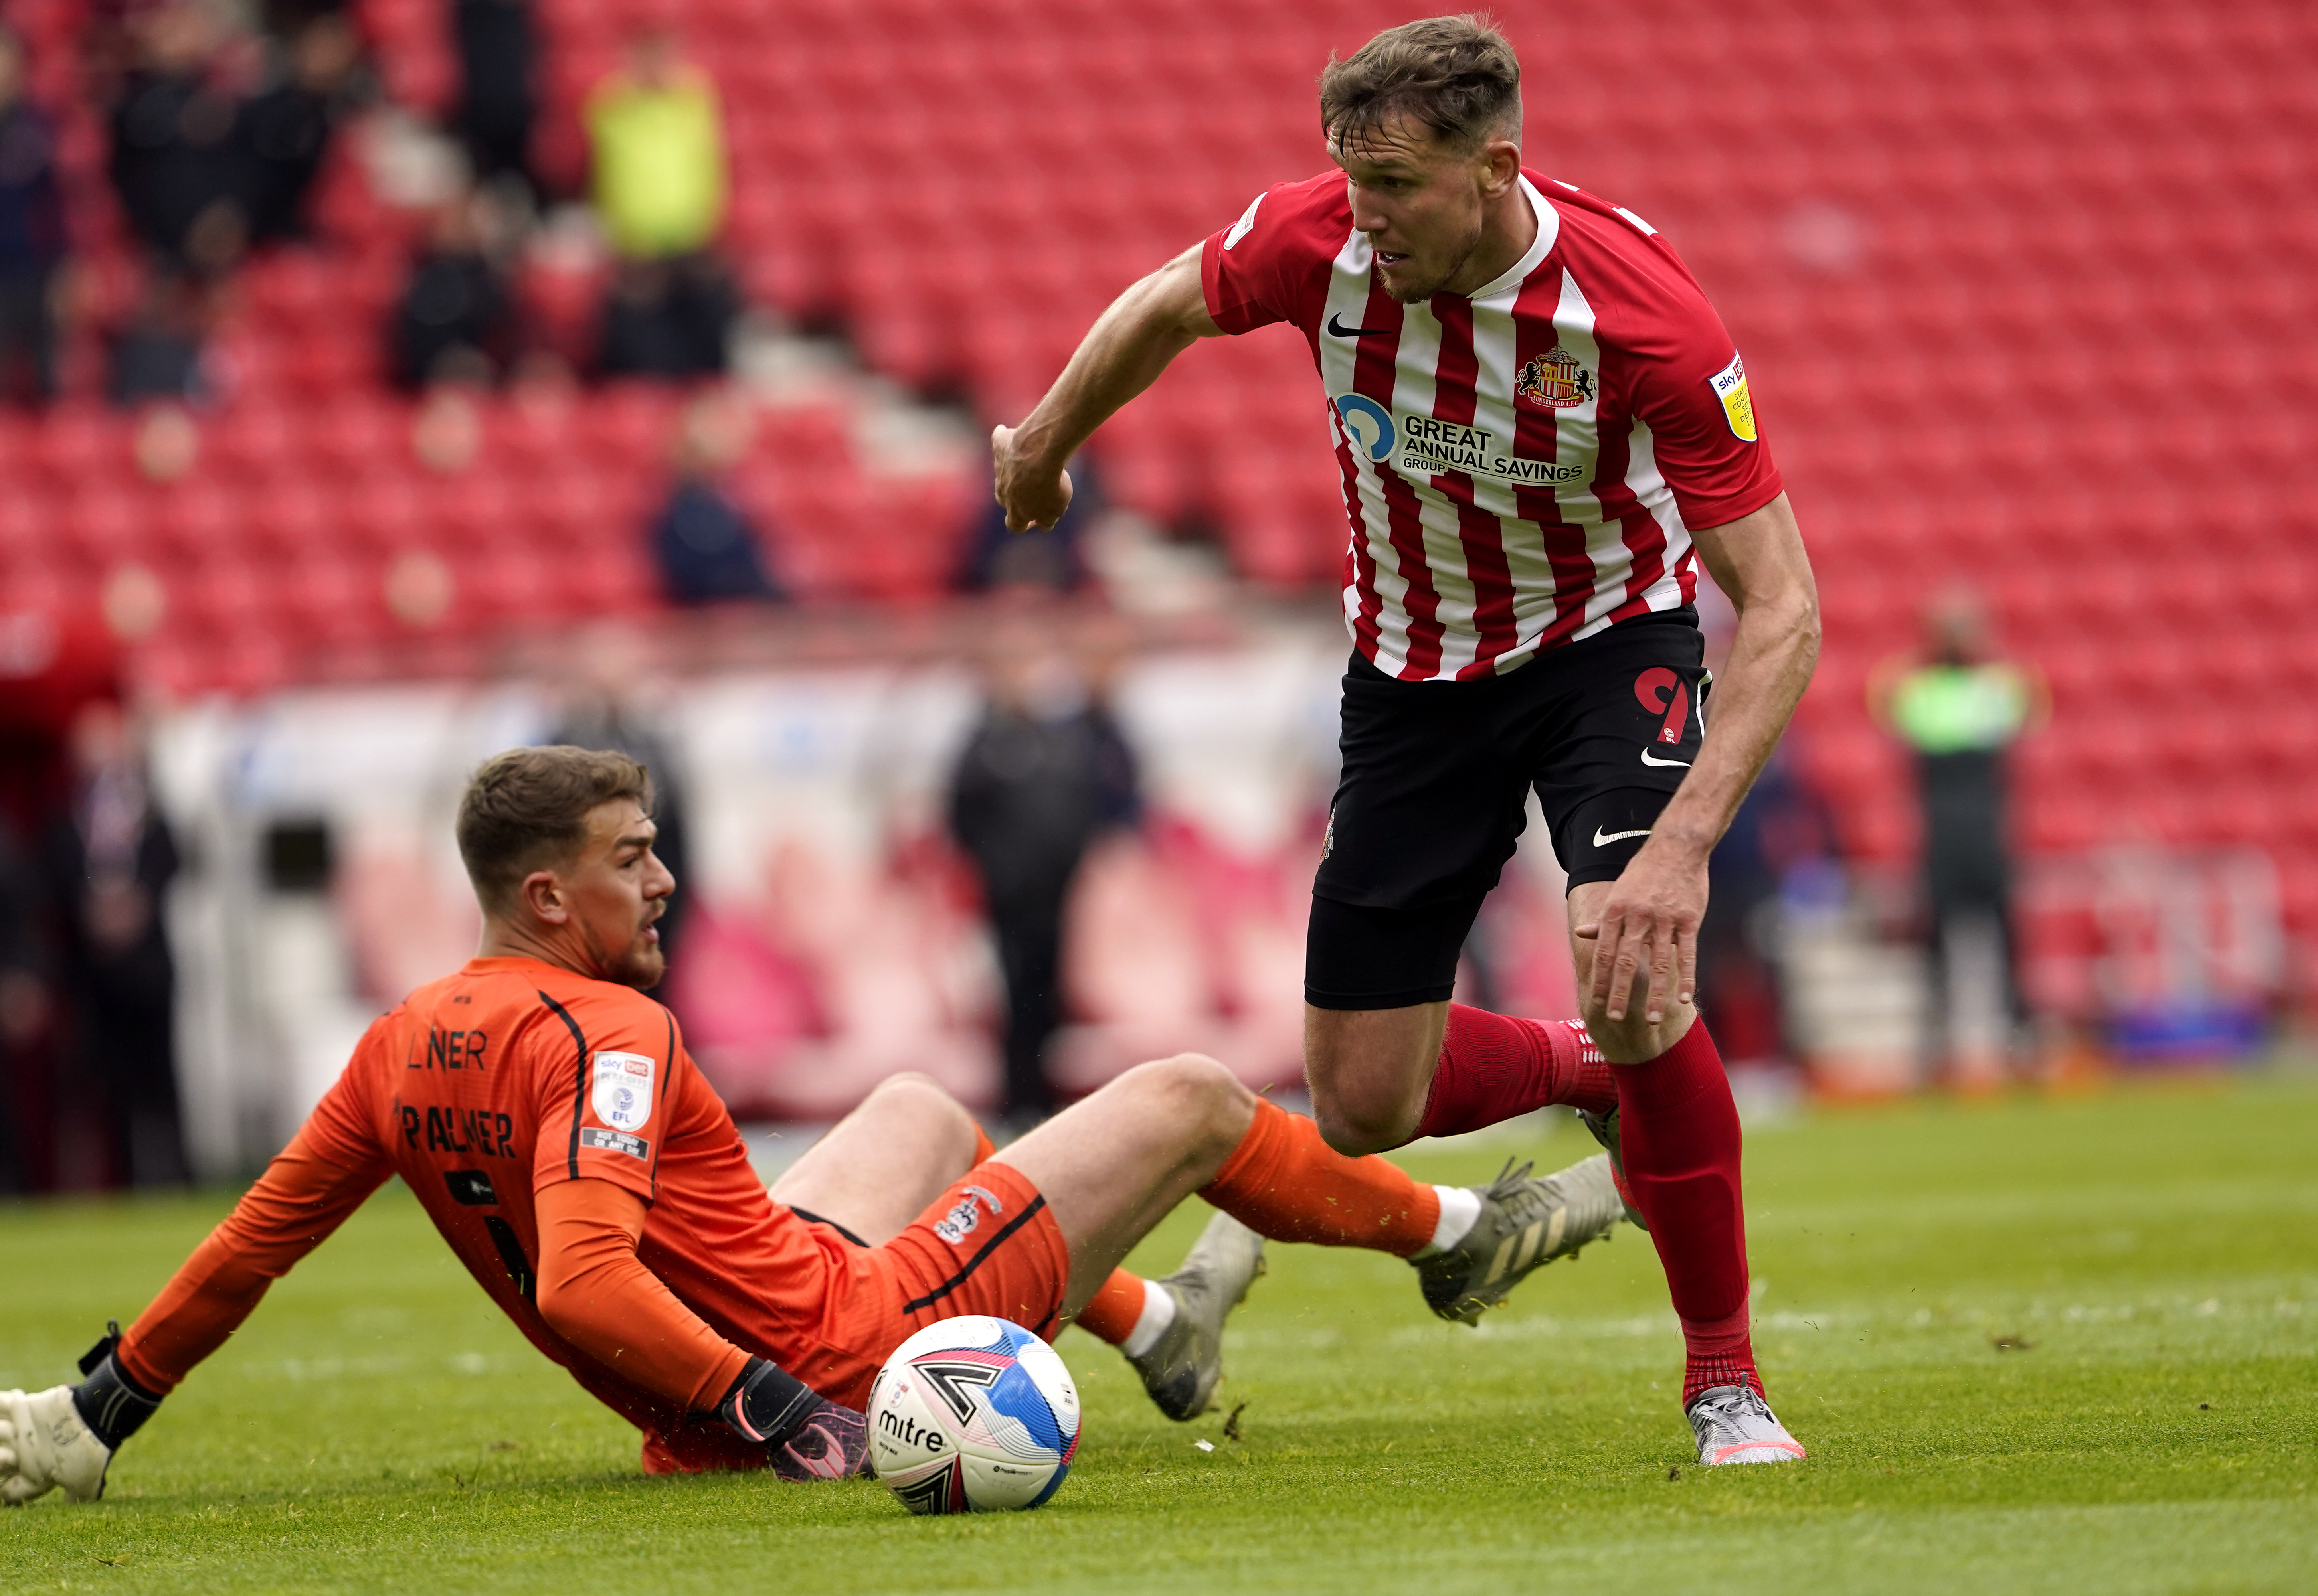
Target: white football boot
x=1734 y=1424
x=1181 y=1368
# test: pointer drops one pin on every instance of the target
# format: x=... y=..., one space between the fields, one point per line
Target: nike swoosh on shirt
x=1604 y=839
x=1337 y=327
x=1648 y=760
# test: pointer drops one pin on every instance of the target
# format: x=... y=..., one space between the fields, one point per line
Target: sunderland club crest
x=1555 y=380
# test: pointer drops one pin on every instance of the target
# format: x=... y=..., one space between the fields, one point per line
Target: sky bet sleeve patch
x=615 y=1142
x=624 y=1089
x=1729 y=385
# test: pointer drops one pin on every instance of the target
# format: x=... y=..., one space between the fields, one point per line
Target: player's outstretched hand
x=45 y=1447
x=1649 y=926
x=833 y=1444
x=1030 y=492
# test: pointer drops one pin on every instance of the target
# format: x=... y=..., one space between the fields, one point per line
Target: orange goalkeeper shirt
x=484 y=1089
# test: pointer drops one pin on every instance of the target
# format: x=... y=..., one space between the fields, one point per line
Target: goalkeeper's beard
x=640 y=963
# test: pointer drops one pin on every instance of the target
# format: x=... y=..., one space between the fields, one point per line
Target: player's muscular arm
x=1122 y=354
x=1651 y=914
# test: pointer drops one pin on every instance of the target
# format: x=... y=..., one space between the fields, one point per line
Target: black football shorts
x=1434 y=794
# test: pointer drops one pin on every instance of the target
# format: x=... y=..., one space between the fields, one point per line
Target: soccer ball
x=973 y=1415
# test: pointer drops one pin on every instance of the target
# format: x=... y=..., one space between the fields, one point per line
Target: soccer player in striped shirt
x=1543 y=429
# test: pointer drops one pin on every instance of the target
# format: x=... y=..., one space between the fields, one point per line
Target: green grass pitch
x=2034 y=1345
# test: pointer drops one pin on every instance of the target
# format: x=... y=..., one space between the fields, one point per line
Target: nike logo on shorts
x=1338 y=328
x=1648 y=760
x=1604 y=839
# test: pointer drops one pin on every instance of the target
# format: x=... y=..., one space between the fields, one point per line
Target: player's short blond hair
x=1455 y=75
x=527 y=808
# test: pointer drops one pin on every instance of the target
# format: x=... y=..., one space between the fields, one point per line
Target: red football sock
x=1112 y=1311
x=1283 y=1182
x=1494 y=1066
x=1678 y=1138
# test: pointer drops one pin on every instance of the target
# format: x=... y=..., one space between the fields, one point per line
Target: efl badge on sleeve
x=622 y=1096
x=1555 y=380
x=1729 y=385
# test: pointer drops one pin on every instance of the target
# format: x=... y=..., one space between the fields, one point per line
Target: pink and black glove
x=807 y=1437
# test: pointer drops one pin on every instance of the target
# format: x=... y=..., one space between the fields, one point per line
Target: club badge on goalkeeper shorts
x=624 y=1089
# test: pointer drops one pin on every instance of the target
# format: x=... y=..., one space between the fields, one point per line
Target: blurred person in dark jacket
x=702 y=541
x=31 y=234
x=158 y=352
x=498 y=99
x=456 y=321
x=110 y=861
x=178 y=162
x=1778 y=827
x=599 y=712
x=24 y=1008
x=284 y=130
x=1046 y=771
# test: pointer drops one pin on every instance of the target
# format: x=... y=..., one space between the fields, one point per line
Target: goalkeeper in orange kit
x=546 y=1114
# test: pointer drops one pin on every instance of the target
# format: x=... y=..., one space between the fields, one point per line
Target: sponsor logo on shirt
x=1426 y=446
x=958 y=1224
x=1729 y=385
x=624 y=1089
x=615 y=1142
x=1367 y=424
x=1555 y=380
x=1430 y=446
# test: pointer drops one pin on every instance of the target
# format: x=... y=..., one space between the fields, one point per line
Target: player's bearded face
x=617 y=890
x=1419 y=200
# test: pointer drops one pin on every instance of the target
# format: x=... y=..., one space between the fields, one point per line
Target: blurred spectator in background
x=600 y=711
x=176 y=163
x=157 y=353
x=499 y=52
x=702 y=543
x=285 y=129
x=1045 y=773
x=656 y=137
x=1960 y=708
x=1777 y=826
x=109 y=860
x=24 y=1006
x=456 y=320
x=32 y=235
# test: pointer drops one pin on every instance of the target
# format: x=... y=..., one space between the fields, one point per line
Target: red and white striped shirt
x=1522 y=466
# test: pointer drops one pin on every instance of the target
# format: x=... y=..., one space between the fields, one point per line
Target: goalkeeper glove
x=66 y=1436
x=807 y=1438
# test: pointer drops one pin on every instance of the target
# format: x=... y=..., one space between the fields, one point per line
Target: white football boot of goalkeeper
x=44 y=1446
x=1181 y=1368
x=1734 y=1424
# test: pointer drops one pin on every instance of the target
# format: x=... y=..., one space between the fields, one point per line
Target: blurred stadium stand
x=2026 y=292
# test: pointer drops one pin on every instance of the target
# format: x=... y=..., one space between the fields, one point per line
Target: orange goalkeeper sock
x=1283 y=1182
